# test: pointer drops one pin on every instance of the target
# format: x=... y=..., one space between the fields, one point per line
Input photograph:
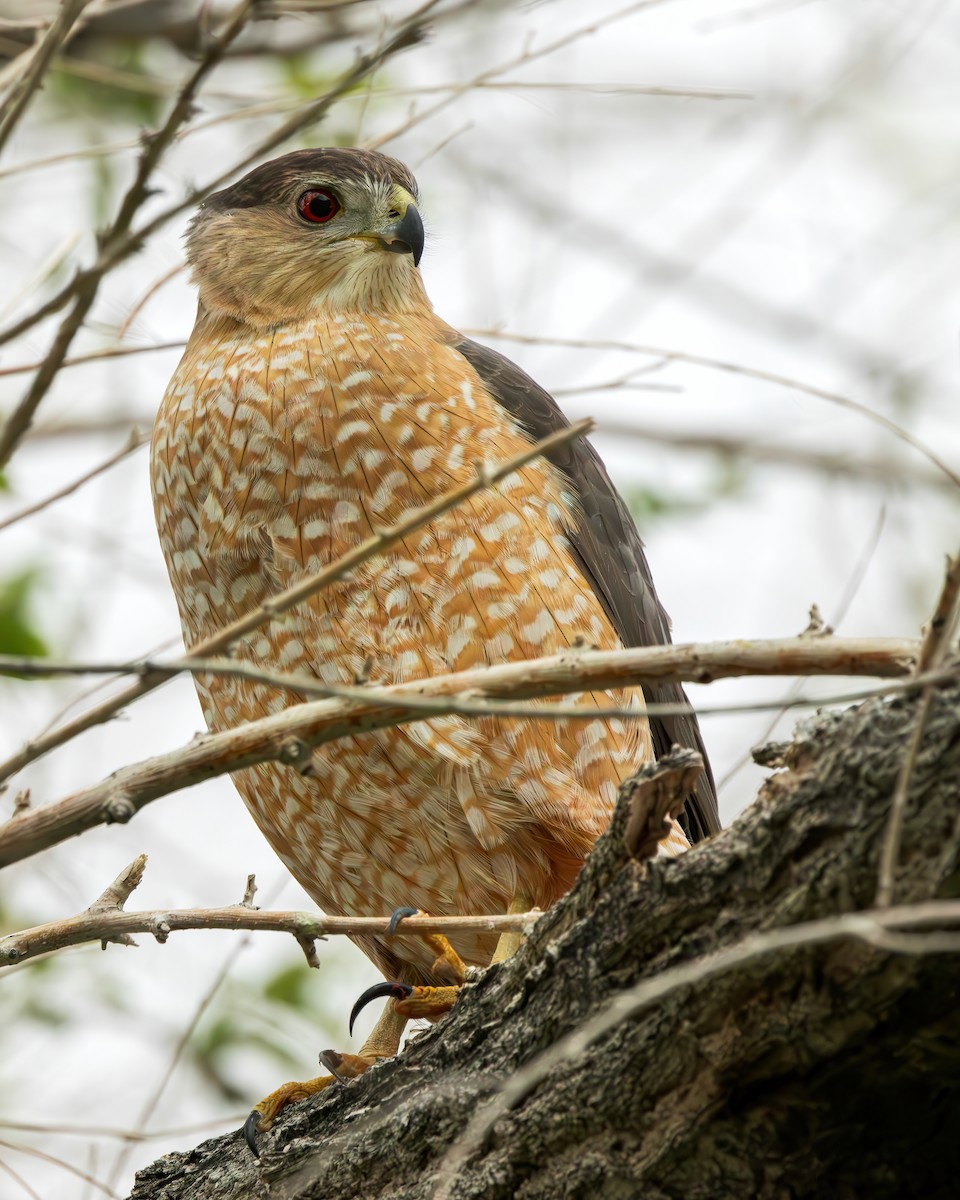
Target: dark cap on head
x=263 y=184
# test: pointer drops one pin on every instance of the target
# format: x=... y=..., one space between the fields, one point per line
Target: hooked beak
x=405 y=235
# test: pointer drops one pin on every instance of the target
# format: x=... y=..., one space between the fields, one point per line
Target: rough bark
x=831 y=1070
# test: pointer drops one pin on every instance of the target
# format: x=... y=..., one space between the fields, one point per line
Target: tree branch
x=41 y=55
x=289 y=736
x=936 y=644
x=108 y=924
x=84 y=287
x=133 y=442
x=486 y=477
x=732 y=368
x=711 y=1025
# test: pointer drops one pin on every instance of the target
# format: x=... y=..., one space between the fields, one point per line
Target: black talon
x=250 y=1132
x=399 y=914
x=331 y=1059
x=398 y=991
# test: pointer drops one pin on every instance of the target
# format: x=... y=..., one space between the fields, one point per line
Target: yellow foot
x=410 y=1001
x=383 y=1042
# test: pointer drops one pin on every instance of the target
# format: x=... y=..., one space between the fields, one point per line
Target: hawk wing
x=610 y=554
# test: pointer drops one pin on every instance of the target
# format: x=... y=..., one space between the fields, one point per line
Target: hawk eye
x=318 y=206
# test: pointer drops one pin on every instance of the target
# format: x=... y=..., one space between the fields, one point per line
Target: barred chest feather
x=274 y=454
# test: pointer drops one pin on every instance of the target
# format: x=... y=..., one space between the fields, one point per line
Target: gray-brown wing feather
x=610 y=554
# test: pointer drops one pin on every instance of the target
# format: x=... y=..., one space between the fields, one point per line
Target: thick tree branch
x=735 y=1022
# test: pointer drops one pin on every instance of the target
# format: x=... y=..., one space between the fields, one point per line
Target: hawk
x=320 y=397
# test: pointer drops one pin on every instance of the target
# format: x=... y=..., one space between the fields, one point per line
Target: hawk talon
x=400 y=914
x=389 y=988
x=251 y=1127
x=332 y=1059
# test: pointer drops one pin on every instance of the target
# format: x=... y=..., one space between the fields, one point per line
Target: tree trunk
x=829 y=1069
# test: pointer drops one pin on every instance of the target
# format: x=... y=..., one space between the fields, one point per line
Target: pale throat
x=377 y=281
x=291 y=288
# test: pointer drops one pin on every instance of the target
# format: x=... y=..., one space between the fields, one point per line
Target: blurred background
x=707 y=223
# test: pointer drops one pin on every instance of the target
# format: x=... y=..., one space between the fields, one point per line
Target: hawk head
x=313 y=231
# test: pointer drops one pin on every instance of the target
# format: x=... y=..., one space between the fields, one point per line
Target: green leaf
x=292 y=986
x=18 y=634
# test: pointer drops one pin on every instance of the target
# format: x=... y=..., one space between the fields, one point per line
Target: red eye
x=318 y=206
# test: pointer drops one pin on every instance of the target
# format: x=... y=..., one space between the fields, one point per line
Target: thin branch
x=119 y=244
x=111 y=926
x=487 y=476
x=15 y=102
x=123 y=1135
x=421 y=706
x=881 y=470
x=144 y=300
x=719 y=364
x=18 y=1179
x=95 y=356
x=134 y=442
x=303 y=685
x=936 y=644
x=290 y=736
x=874 y=928
x=528 y=55
x=33 y=1152
x=85 y=285
x=680 y=662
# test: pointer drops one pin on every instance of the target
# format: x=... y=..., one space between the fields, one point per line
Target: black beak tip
x=409 y=234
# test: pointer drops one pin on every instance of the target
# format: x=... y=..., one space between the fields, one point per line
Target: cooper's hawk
x=320 y=397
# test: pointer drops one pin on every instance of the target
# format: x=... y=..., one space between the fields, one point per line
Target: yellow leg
x=509 y=943
x=383 y=1042
x=432 y=1002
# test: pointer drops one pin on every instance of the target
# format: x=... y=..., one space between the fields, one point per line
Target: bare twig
x=528 y=55
x=113 y=898
x=20 y=1181
x=290 y=735
x=134 y=442
x=795 y=691
x=107 y=925
x=302 y=686
x=936 y=643
x=681 y=662
x=486 y=477
x=85 y=1176
x=123 y=1135
x=147 y=296
x=15 y=102
x=120 y=243
x=83 y=289
x=877 y=928
x=842 y=464
x=719 y=364
x=693 y=655
x=95 y=356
